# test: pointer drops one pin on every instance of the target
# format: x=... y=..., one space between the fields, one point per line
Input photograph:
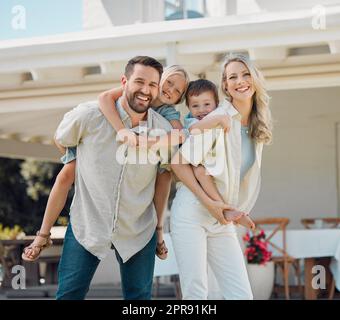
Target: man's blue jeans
x=77 y=267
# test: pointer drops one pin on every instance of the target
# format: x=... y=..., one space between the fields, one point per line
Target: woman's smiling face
x=238 y=81
x=172 y=89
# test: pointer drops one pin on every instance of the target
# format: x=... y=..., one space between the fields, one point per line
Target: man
x=113 y=201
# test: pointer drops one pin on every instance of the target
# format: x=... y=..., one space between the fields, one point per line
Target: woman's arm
x=211 y=122
x=184 y=172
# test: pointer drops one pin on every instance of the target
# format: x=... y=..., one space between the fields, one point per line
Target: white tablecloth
x=313 y=243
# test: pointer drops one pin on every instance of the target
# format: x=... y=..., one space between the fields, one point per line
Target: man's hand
x=127 y=136
x=216 y=209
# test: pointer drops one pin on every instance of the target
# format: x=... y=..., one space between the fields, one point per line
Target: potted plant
x=259 y=265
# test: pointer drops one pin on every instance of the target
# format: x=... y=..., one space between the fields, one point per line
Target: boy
x=201 y=99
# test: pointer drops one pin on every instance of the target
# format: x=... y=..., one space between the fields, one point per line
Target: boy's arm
x=211 y=122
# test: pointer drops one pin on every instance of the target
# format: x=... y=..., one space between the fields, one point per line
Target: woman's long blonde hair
x=170 y=71
x=260 y=119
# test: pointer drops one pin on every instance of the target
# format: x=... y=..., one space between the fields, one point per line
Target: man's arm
x=73 y=127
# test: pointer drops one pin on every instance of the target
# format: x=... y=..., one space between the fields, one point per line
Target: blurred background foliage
x=24 y=189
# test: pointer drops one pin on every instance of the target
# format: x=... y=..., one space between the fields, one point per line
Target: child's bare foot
x=232 y=215
x=246 y=222
x=161 y=249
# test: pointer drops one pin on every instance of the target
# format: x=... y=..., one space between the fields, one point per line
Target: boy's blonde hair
x=260 y=122
x=170 y=71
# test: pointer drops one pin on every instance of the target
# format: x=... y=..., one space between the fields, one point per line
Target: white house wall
x=299 y=174
x=42 y=78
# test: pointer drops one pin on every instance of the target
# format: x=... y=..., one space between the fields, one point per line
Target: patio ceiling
x=42 y=78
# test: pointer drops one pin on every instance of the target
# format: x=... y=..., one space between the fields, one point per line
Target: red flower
x=257 y=248
x=246 y=238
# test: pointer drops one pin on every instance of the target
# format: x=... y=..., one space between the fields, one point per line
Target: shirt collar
x=126 y=118
x=188 y=116
x=122 y=113
x=232 y=111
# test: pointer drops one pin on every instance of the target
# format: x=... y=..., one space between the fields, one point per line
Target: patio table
x=31 y=268
x=310 y=245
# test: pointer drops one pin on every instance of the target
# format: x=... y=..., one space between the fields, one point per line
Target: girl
x=172 y=87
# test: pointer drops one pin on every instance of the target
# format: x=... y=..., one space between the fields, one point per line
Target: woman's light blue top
x=248 y=151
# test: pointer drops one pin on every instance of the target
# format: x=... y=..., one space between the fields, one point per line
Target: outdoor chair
x=7 y=260
x=282 y=260
x=331 y=223
x=312 y=223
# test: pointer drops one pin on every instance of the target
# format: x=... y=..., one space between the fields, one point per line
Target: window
x=184 y=9
x=27 y=18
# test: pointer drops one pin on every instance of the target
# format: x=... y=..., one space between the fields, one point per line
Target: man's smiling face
x=141 y=89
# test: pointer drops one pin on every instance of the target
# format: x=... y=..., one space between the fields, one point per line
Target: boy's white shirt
x=220 y=154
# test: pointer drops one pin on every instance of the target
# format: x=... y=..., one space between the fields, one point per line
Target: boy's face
x=202 y=104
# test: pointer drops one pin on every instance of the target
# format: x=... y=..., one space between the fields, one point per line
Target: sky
x=31 y=18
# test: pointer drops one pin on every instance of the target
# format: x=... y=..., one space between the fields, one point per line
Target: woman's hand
x=216 y=209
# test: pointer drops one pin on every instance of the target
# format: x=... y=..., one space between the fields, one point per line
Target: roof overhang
x=42 y=78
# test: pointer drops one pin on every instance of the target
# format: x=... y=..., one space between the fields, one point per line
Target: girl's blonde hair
x=260 y=121
x=170 y=71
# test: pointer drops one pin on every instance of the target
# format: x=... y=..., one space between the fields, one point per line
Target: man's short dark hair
x=200 y=86
x=145 y=61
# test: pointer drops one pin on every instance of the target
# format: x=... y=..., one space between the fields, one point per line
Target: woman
x=200 y=234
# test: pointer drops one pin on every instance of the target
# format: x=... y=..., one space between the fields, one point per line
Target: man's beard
x=134 y=105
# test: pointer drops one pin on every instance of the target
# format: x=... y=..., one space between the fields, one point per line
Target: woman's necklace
x=245 y=129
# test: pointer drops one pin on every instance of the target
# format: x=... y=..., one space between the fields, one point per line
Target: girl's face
x=172 y=89
x=238 y=81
